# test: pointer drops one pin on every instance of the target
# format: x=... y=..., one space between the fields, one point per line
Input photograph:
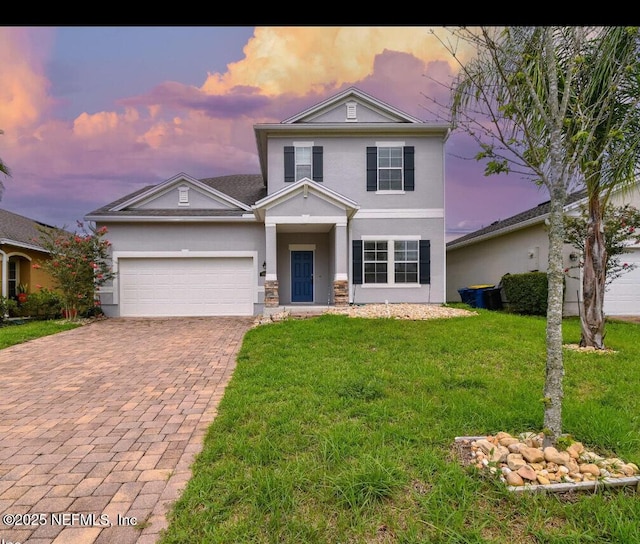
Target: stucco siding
x=339 y=115
x=176 y=236
x=300 y=205
x=197 y=200
x=344 y=170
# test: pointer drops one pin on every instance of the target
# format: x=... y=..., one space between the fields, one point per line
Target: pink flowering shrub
x=79 y=263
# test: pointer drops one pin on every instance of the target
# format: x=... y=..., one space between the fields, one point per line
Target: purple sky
x=90 y=114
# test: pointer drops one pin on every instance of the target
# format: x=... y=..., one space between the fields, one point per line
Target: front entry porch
x=306 y=242
x=307 y=269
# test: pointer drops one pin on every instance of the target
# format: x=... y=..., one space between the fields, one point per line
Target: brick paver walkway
x=99 y=425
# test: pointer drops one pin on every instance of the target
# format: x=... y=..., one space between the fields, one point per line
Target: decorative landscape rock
x=522 y=463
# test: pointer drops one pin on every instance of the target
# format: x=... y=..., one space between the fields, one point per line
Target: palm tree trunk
x=593 y=279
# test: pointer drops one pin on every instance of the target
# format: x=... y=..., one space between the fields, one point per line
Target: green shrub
x=526 y=293
x=43 y=304
x=8 y=306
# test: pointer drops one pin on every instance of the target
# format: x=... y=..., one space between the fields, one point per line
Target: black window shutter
x=425 y=261
x=289 y=163
x=372 y=168
x=409 y=169
x=317 y=163
x=356 y=277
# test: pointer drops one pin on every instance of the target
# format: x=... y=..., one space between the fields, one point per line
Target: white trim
x=306 y=219
x=389 y=285
x=302 y=247
x=271 y=277
x=390 y=259
x=338 y=276
x=290 y=191
x=304 y=143
x=388 y=238
x=184 y=253
x=245 y=218
x=390 y=192
x=17 y=254
x=396 y=143
x=400 y=213
x=23 y=245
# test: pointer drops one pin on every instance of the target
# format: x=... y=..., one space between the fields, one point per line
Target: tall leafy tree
x=519 y=98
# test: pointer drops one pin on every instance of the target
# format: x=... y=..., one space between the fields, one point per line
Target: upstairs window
x=303 y=160
x=390 y=168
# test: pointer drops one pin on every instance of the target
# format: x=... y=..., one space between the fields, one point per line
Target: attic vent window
x=183 y=196
x=351 y=111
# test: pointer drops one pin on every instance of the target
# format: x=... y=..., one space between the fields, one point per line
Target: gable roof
x=305 y=185
x=310 y=123
x=240 y=191
x=386 y=110
x=20 y=231
x=527 y=218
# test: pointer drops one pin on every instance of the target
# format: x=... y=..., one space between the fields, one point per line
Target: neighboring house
x=348 y=207
x=521 y=244
x=19 y=251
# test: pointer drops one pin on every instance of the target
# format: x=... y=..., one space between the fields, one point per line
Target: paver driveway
x=99 y=425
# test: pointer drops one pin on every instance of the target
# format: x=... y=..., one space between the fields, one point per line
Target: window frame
x=390 y=261
x=390 y=168
x=298 y=163
x=407 y=167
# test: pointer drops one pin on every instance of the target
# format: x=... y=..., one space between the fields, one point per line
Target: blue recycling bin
x=474 y=295
x=467 y=296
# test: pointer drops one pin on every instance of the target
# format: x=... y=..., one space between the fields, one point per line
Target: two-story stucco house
x=348 y=208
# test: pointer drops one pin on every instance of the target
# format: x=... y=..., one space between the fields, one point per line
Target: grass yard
x=11 y=334
x=340 y=430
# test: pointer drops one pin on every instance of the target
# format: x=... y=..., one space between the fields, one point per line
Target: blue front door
x=302 y=276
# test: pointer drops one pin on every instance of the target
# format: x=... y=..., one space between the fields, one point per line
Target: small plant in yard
x=317 y=443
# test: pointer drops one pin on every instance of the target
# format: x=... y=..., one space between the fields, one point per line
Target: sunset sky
x=90 y=114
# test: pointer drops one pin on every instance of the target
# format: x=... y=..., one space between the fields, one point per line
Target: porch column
x=271 y=297
x=4 y=288
x=341 y=278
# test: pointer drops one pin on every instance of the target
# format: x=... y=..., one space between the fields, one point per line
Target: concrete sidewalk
x=99 y=425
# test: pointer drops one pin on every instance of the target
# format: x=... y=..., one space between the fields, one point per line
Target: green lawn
x=336 y=429
x=11 y=334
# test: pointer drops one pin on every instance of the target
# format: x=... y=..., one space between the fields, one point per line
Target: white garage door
x=185 y=286
x=623 y=295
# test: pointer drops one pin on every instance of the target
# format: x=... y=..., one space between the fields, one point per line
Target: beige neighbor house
x=520 y=244
x=19 y=251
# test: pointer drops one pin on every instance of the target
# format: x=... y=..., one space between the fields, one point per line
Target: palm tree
x=4 y=169
x=609 y=121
